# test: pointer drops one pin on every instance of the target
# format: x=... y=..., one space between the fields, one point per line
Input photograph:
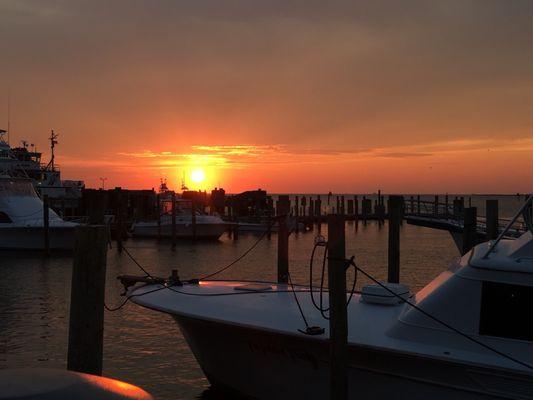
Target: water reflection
x=146 y=348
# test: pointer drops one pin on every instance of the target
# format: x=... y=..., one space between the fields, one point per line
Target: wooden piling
x=436 y=206
x=446 y=206
x=119 y=216
x=350 y=207
x=86 y=326
x=46 y=225
x=158 y=211
x=469 y=229
x=395 y=214
x=173 y=232
x=193 y=219
x=418 y=204
x=318 y=209
x=338 y=320
x=283 y=239
x=492 y=218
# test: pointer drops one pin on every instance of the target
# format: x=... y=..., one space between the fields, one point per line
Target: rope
x=113 y=309
x=136 y=262
x=231 y=264
x=320 y=307
x=298 y=303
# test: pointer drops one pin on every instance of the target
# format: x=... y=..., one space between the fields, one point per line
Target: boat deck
x=273 y=308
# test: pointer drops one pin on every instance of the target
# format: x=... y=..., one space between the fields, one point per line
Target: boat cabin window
x=17 y=188
x=505 y=311
x=4 y=218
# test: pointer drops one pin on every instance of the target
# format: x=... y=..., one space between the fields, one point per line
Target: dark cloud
x=309 y=73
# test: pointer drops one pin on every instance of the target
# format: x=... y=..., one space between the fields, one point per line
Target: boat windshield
x=16 y=188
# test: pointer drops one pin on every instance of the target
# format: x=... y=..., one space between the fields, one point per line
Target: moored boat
x=22 y=219
x=466 y=335
x=200 y=226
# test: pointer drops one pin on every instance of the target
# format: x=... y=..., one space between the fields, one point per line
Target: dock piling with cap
x=395 y=215
x=173 y=233
x=283 y=239
x=338 y=319
x=86 y=324
x=469 y=229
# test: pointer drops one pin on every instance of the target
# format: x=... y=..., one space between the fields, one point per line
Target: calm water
x=146 y=348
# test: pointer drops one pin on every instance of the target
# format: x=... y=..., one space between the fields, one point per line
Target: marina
x=425 y=253
x=259 y=200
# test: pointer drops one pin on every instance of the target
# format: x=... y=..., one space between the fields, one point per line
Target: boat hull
x=266 y=365
x=183 y=231
x=32 y=238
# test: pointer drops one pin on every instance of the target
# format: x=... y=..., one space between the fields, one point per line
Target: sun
x=197 y=175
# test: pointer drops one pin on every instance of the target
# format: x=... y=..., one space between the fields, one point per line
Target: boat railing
x=526 y=207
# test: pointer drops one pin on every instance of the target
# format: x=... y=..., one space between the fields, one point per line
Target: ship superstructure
x=26 y=162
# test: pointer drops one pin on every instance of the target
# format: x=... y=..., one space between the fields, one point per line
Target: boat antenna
x=53 y=141
x=103 y=182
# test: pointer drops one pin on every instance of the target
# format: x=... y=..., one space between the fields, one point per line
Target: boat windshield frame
x=10 y=187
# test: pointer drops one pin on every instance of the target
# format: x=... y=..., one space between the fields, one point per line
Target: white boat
x=263 y=226
x=25 y=161
x=473 y=340
x=22 y=218
x=203 y=227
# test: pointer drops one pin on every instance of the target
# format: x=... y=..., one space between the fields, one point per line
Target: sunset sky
x=290 y=96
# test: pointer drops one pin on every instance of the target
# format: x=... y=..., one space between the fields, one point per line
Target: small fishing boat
x=22 y=218
x=262 y=226
x=199 y=226
x=466 y=335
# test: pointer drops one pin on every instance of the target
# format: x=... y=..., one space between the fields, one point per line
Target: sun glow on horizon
x=198 y=175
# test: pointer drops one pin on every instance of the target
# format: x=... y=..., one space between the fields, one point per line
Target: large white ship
x=25 y=161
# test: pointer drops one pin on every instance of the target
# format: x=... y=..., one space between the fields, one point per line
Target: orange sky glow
x=299 y=97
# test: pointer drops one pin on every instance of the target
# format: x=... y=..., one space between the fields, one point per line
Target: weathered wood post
x=458 y=208
x=350 y=207
x=158 y=211
x=318 y=212
x=343 y=205
x=436 y=206
x=193 y=219
x=294 y=213
x=283 y=239
x=86 y=326
x=364 y=209
x=469 y=229
x=492 y=219
x=395 y=215
x=119 y=216
x=446 y=206
x=412 y=204
x=418 y=204
x=46 y=225
x=173 y=232
x=338 y=320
